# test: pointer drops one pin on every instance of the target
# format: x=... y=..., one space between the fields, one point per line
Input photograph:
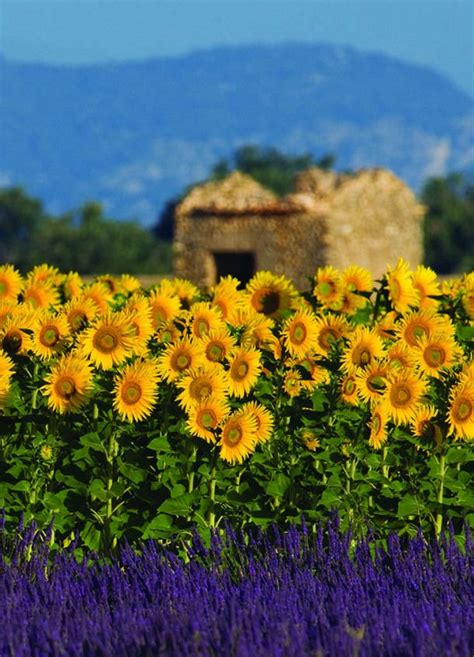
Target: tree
x=449 y=223
x=269 y=166
x=20 y=216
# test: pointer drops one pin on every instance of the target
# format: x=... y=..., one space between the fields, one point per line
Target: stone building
x=236 y=226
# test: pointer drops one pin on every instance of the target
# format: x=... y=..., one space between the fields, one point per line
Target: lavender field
x=255 y=594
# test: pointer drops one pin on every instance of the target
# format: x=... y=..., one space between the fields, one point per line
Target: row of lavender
x=285 y=594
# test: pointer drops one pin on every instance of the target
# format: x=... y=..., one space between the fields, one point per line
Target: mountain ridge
x=133 y=134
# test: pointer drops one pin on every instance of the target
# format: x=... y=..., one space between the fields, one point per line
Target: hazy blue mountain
x=133 y=134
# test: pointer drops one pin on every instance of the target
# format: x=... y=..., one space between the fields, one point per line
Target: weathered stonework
x=369 y=218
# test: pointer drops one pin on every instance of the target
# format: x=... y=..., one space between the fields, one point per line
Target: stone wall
x=293 y=245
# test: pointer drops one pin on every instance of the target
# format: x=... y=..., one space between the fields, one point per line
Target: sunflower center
x=434 y=356
x=375 y=383
x=400 y=395
x=463 y=410
x=202 y=326
x=415 y=332
x=66 y=387
x=3 y=287
x=131 y=393
x=215 y=351
x=12 y=342
x=376 y=423
x=326 y=288
x=49 y=336
x=34 y=298
x=328 y=337
x=77 y=320
x=267 y=301
x=234 y=435
x=361 y=356
x=159 y=314
x=299 y=334
x=349 y=387
x=208 y=419
x=106 y=340
x=240 y=370
x=200 y=390
x=183 y=361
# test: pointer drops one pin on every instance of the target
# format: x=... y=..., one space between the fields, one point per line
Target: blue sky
x=437 y=33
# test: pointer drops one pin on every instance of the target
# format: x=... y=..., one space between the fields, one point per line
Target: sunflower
x=167 y=332
x=371 y=382
x=300 y=333
x=6 y=367
x=7 y=308
x=423 y=323
x=401 y=292
x=238 y=438
x=309 y=439
x=399 y=357
x=292 y=383
x=357 y=279
x=204 y=418
x=50 y=335
x=127 y=283
x=264 y=420
x=200 y=384
x=41 y=294
x=186 y=291
x=466 y=376
x=142 y=325
x=72 y=285
x=349 y=390
x=226 y=297
x=15 y=333
x=164 y=307
x=403 y=395
x=425 y=282
x=80 y=312
x=378 y=426
x=387 y=325
x=217 y=345
x=135 y=391
x=258 y=332
x=421 y=424
x=69 y=384
x=364 y=347
x=178 y=358
x=270 y=294
x=318 y=374
x=4 y=393
x=244 y=370
x=100 y=295
x=467 y=294
x=204 y=318
x=110 y=282
x=329 y=287
x=44 y=273
x=329 y=329
x=436 y=354
x=461 y=412
x=108 y=341
x=11 y=283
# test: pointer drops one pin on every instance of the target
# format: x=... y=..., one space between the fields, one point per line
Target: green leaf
x=330 y=499
x=278 y=485
x=178 y=506
x=160 y=527
x=407 y=506
x=132 y=472
x=93 y=441
x=97 y=490
x=22 y=486
x=159 y=444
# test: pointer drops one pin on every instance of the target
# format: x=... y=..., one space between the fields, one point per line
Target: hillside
x=133 y=134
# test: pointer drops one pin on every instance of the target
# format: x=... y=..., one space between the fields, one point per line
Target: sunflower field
x=145 y=413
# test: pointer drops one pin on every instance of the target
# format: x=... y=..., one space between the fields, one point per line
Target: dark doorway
x=240 y=264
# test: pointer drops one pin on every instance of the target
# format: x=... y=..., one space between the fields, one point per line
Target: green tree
x=20 y=216
x=449 y=223
x=269 y=166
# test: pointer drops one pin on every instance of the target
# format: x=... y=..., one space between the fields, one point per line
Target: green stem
x=385 y=467
x=212 y=497
x=110 y=480
x=442 y=472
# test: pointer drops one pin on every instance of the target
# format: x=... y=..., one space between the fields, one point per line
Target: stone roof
x=239 y=194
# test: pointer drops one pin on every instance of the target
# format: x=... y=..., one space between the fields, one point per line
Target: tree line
x=85 y=240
